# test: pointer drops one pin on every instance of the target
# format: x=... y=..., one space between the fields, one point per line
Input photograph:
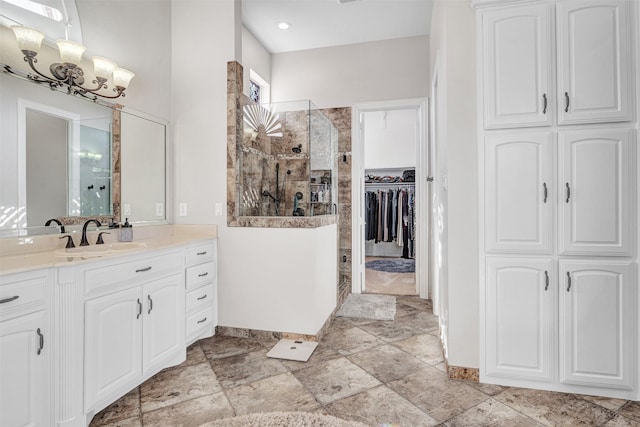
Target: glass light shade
x=103 y=67
x=122 y=77
x=28 y=38
x=70 y=52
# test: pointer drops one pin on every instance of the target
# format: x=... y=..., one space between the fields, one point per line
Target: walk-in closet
x=390 y=201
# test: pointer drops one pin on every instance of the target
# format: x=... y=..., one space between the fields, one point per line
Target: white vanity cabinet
x=133 y=324
x=25 y=349
x=201 y=291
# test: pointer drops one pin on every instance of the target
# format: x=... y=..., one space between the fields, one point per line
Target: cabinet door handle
x=139 y=309
x=566 y=102
x=568 y=281
x=141 y=270
x=202 y=297
x=41 y=341
x=202 y=253
x=546 y=192
x=568 y=192
x=544 y=103
x=546 y=280
x=150 y=304
x=13 y=298
x=203 y=320
x=203 y=274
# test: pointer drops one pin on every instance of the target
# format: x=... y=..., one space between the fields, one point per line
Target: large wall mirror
x=67 y=158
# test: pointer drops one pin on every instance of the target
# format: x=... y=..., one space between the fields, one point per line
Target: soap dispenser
x=126 y=231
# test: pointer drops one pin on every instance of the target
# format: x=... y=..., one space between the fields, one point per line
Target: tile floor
x=375 y=372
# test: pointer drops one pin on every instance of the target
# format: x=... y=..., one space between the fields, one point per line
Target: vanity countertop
x=31 y=253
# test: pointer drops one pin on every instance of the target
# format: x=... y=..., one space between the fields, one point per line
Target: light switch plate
x=218 y=209
x=159 y=209
x=183 y=209
x=127 y=209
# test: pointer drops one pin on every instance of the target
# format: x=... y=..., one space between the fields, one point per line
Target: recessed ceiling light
x=284 y=25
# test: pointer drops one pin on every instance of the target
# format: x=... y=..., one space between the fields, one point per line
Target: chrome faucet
x=84 y=241
x=48 y=223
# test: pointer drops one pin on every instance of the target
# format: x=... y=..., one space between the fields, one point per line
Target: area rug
x=283 y=419
x=392 y=265
x=369 y=306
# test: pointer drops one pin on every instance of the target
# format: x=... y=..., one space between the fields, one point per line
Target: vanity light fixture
x=284 y=25
x=68 y=72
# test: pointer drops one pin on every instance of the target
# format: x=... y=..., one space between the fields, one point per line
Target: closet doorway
x=390 y=198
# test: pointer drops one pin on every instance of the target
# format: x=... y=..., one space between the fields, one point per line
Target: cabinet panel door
x=518 y=192
x=595 y=191
x=517 y=67
x=24 y=374
x=596 y=324
x=113 y=345
x=593 y=61
x=163 y=321
x=519 y=318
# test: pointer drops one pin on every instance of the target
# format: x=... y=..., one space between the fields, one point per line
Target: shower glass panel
x=287 y=161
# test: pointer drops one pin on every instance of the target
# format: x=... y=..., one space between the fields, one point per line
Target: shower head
x=297 y=149
x=299 y=195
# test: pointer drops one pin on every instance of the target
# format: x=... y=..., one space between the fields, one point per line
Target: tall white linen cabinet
x=557 y=149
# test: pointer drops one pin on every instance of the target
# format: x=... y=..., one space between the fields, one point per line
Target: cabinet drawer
x=201 y=253
x=198 y=321
x=200 y=298
x=21 y=295
x=201 y=274
x=137 y=270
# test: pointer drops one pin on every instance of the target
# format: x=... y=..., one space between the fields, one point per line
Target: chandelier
x=67 y=73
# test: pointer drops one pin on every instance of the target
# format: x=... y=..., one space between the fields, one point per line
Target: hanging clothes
x=390 y=216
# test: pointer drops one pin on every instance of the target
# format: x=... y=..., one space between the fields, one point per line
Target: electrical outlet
x=183 y=209
x=127 y=209
x=218 y=209
x=160 y=209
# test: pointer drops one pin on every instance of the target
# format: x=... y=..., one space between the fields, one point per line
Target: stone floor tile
x=391 y=331
x=335 y=379
x=349 y=341
x=386 y=363
x=491 y=413
x=607 y=402
x=278 y=393
x=126 y=407
x=554 y=409
x=425 y=347
x=342 y=323
x=620 y=421
x=191 y=413
x=419 y=319
x=218 y=347
x=195 y=355
x=433 y=392
x=127 y=422
x=631 y=411
x=488 y=389
x=380 y=406
x=246 y=368
x=177 y=385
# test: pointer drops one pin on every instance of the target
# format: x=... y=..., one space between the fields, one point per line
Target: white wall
x=453 y=41
x=344 y=75
x=390 y=139
x=254 y=57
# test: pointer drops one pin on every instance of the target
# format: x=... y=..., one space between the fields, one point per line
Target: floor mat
x=392 y=265
x=369 y=306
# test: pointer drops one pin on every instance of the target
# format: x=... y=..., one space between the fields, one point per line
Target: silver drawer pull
x=203 y=320
x=143 y=269
x=13 y=298
x=203 y=274
x=202 y=253
x=202 y=297
x=41 y=343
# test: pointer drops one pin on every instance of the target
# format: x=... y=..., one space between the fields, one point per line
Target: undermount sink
x=100 y=250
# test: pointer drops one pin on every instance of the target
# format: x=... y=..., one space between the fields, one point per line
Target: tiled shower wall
x=341 y=119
